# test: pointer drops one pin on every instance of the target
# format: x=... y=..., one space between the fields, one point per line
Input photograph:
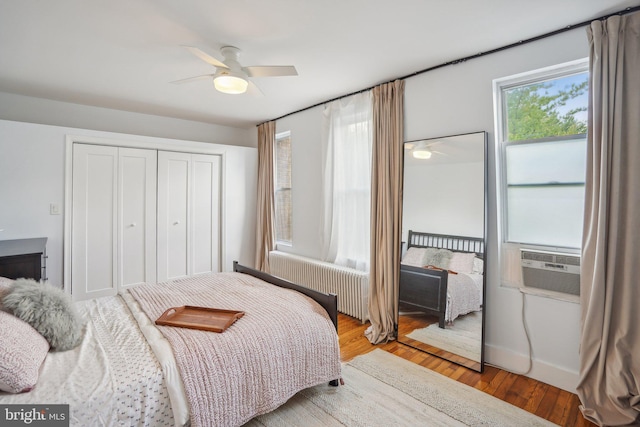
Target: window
x=282 y=187
x=541 y=146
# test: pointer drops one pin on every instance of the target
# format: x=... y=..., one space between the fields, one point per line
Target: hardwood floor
x=554 y=404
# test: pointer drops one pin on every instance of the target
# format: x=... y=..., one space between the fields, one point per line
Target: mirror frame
x=473 y=365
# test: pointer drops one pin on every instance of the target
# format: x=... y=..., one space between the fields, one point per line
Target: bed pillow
x=438 y=257
x=22 y=351
x=415 y=257
x=462 y=262
x=48 y=309
x=478 y=266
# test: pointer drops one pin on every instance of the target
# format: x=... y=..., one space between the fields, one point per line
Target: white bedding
x=128 y=372
x=112 y=379
x=464 y=295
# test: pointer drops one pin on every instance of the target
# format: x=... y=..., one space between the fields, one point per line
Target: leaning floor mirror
x=442 y=281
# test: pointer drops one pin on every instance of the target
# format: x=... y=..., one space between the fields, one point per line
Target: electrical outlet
x=54 y=209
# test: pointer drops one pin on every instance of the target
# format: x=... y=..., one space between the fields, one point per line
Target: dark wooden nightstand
x=23 y=258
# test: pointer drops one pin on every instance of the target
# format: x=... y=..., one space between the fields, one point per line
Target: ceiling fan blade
x=193 y=79
x=205 y=57
x=270 y=70
x=439 y=152
x=255 y=90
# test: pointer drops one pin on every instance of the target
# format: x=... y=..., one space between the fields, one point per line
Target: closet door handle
x=176 y=223
x=133 y=224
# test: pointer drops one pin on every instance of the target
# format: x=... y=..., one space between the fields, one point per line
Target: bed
x=442 y=275
x=128 y=371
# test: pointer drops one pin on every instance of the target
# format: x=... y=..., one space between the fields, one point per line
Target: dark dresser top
x=22 y=246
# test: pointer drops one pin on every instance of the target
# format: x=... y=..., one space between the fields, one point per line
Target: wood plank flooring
x=544 y=400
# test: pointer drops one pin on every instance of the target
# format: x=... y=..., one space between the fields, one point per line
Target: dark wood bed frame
x=328 y=301
x=425 y=289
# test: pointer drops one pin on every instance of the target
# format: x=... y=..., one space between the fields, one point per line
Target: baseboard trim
x=541 y=371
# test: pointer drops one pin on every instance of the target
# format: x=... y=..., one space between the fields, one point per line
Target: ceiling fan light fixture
x=422 y=154
x=229 y=83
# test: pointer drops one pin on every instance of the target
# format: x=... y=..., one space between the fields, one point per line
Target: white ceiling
x=123 y=54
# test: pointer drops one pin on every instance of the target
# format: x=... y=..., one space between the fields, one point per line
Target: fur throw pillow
x=49 y=310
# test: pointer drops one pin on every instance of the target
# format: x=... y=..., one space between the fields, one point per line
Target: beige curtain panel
x=265 y=226
x=386 y=210
x=609 y=386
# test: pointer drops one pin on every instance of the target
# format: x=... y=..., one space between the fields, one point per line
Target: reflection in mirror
x=442 y=281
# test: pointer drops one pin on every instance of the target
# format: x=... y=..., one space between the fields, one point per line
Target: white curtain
x=346 y=151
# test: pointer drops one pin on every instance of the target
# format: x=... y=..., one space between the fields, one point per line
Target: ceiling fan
x=230 y=76
x=422 y=150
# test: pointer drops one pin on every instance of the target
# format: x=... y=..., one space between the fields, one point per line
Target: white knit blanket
x=284 y=343
x=464 y=295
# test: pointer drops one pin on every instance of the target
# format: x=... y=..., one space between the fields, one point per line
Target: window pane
x=283 y=208
x=547 y=162
x=555 y=107
x=546 y=215
x=283 y=215
x=283 y=163
x=545 y=192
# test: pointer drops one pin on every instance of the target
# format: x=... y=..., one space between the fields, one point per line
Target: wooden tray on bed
x=202 y=318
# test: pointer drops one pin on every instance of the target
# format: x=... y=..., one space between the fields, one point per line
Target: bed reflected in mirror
x=442 y=280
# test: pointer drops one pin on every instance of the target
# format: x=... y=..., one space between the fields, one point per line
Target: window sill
x=283 y=245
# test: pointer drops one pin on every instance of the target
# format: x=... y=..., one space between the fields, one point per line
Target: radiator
x=351 y=286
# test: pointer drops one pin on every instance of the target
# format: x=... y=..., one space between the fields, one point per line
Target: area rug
x=462 y=338
x=385 y=390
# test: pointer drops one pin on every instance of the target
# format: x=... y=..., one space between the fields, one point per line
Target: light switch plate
x=54 y=209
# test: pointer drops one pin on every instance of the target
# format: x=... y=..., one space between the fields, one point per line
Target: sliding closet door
x=188 y=214
x=113 y=219
x=205 y=231
x=137 y=172
x=94 y=221
x=173 y=201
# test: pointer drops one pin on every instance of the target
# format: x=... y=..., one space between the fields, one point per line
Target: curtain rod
x=477 y=55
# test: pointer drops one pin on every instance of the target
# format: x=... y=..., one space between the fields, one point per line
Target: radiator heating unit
x=351 y=286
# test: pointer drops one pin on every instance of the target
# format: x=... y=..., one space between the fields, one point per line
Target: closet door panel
x=94 y=221
x=137 y=225
x=173 y=215
x=206 y=214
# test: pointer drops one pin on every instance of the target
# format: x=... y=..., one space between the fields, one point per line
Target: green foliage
x=532 y=112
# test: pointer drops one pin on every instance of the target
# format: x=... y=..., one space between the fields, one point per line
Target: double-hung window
x=282 y=188
x=541 y=129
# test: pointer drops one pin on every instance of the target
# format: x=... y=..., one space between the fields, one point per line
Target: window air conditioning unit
x=551 y=271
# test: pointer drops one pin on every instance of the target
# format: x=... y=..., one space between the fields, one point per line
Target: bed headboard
x=442 y=241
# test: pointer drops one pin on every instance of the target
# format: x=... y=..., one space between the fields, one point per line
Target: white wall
x=443 y=199
x=450 y=101
x=45 y=111
x=306 y=180
x=32 y=176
